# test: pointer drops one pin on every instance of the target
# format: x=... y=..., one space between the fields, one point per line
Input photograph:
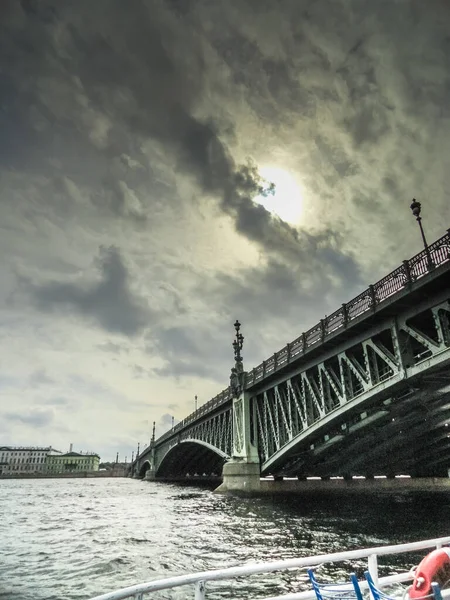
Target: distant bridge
x=366 y=391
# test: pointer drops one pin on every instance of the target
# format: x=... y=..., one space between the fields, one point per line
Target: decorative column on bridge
x=242 y=472
x=135 y=471
x=131 y=467
x=150 y=475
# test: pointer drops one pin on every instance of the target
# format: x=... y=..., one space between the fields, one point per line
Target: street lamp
x=238 y=343
x=196 y=403
x=153 y=433
x=237 y=372
x=416 y=208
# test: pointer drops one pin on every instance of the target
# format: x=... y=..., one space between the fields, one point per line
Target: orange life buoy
x=434 y=567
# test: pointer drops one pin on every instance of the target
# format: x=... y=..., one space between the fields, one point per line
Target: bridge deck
x=355 y=355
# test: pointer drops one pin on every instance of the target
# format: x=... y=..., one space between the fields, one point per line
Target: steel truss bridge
x=365 y=392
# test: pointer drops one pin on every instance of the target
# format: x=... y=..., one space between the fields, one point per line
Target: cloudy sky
x=138 y=142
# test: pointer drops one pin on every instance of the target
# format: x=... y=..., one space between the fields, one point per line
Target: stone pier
x=240 y=477
x=241 y=474
x=150 y=475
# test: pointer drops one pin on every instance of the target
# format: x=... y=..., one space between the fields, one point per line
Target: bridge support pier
x=241 y=474
x=240 y=477
x=150 y=475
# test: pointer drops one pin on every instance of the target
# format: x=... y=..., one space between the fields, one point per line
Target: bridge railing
x=206 y=408
x=403 y=276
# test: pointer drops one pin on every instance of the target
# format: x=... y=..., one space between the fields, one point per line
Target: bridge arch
x=191 y=457
x=143 y=469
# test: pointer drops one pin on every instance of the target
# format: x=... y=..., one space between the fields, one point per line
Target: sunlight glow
x=287 y=201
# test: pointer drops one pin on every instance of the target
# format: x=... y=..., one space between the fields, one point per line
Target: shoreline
x=80 y=475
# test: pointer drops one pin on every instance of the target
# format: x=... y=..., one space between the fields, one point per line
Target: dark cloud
x=8 y=381
x=165 y=422
x=109 y=302
x=34 y=418
x=139 y=372
x=286 y=297
x=152 y=73
x=57 y=401
x=146 y=71
x=187 y=352
x=88 y=387
x=39 y=378
x=279 y=294
x=112 y=347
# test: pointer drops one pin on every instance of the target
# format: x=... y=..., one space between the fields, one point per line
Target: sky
x=169 y=166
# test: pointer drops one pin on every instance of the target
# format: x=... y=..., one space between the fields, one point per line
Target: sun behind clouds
x=287 y=200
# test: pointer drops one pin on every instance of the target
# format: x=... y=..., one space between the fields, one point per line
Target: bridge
x=366 y=392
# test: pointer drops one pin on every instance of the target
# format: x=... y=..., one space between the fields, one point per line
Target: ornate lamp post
x=238 y=343
x=416 y=208
x=152 y=439
x=238 y=369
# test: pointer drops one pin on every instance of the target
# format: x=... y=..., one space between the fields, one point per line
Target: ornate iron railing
x=369 y=300
x=206 y=408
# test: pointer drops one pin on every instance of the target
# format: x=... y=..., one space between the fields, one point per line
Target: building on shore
x=15 y=460
x=30 y=460
x=72 y=462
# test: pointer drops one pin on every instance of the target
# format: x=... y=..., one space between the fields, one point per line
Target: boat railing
x=199 y=580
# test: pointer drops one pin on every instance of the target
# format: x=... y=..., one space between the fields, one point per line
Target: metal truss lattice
x=215 y=431
x=322 y=394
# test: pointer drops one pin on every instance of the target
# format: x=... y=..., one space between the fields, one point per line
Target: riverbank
x=79 y=475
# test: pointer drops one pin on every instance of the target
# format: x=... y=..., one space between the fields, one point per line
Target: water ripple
x=72 y=539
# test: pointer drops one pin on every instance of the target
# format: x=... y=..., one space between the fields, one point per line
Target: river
x=70 y=539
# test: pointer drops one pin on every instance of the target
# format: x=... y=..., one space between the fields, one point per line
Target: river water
x=71 y=539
